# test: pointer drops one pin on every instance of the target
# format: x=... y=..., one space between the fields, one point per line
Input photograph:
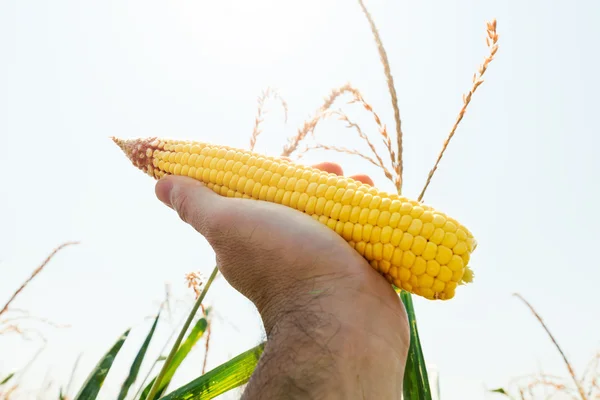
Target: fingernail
x=163 y=191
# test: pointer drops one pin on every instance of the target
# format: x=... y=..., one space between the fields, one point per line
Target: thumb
x=195 y=203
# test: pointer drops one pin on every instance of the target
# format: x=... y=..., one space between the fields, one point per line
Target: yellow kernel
x=406 y=241
x=465 y=257
x=405 y=208
x=461 y=234
x=449 y=226
x=408 y=258
x=320 y=205
x=456 y=263
x=337 y=197
x=415 y=227
x=438 y=285
x=363 y=218
x=427 y=230
x=375 y=234
x=404 y=274
x=339 y=228
x=405 y=222
x=397 y=256
x=385 y=204
x=348 y=229
x=460 y=248
x=355 y=214
x=430 y=251
x=373 y=217
x=294 y=200
x=199 y=172
x=184 y=170
x=172 y=170
x=425 y=281
x=177 y=169
x=335 y=211
x=366 y=232
x=369 y=251
x=427 y=216
x=375 y=202
x=407 y=286
x=384 y=266
x=310 y=205
x=291 y=183
x=433 y=268
x=302 y=201
x=192 y=172
x=438 y=220
x=357 y=232
x=384 y=219
x=418 y=245
x=396 y=237
x=284 y=196
x=394 y=219
x=449 y=240
x=311 y=189
x=356 y=200
x=345 y=212
x=416 y=212
x=378 y=251
x=419 y=267
x=328 y=207
x=264 y=191
x=330 y=192
x=360 y=247
x=445 y=274
x=394 y=272
x=301 y=185
x=437 y=236
x=386 y=234
x=366 y=200
x=444 y=255
x=457 y=275
x=347 y=197
x=395 y=206
x=388 y=251
x=171 y=158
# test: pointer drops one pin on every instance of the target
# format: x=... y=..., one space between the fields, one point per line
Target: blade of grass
x=175 y=363
x=163 y=371
x=416 y=381
x=137 y=362
x=8 y=378
x=94 y=382
x=227 y=376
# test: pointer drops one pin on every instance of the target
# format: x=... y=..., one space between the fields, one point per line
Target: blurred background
x=521 y=172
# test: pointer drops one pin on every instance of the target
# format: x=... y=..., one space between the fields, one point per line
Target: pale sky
x=521 y=172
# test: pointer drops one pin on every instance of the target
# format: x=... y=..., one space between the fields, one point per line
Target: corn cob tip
x=138 y=151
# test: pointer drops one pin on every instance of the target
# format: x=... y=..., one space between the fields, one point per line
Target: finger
x=330 y=167
x=364 y=179
x=191 y=199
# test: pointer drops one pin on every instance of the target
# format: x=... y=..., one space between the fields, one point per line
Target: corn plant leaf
x=416 y=382
x=183 y=351
x=8 y=378
x=227 y=376
x=137 y=362
x=95 y=380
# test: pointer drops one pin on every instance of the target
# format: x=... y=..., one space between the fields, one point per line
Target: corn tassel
x=413 y=246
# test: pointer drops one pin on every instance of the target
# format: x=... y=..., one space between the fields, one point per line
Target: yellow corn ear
x=413 y=246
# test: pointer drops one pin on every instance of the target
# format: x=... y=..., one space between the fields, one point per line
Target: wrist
x=337 y=346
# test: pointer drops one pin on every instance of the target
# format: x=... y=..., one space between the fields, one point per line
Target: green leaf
x=137 y=362
x=181 y=354
x=94 y=382
x=501 y=391
x=416 y=382
x=227 y=376
x=8 y=378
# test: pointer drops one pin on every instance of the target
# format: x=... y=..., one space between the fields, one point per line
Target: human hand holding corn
x=334 y=326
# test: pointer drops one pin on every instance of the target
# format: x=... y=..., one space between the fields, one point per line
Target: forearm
x=315 y=356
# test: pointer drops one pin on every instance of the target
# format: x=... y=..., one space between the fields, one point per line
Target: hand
x=335 y=327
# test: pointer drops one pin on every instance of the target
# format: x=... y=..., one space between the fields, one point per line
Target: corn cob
x=413 y=246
